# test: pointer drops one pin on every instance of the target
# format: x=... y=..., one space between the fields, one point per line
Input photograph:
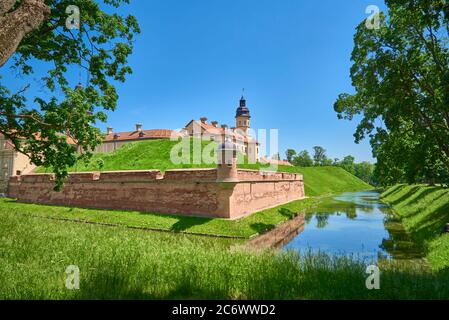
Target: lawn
x=121 y=263
x=424 y=211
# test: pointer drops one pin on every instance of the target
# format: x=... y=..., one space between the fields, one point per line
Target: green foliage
x=303 y=159
x=365 y=171
x=290 y=154
x=400 y=74
x=101 y=47
x=117 y=263
x=424 y=211
x=348 y=163
x=319 y=156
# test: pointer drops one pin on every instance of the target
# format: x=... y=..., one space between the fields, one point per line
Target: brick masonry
x=186 y=192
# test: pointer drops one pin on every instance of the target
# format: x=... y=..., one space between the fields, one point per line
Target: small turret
x=227 y=162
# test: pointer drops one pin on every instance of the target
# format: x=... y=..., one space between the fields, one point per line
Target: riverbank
x=424 y=211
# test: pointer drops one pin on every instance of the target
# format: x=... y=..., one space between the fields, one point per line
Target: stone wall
x=187 y=192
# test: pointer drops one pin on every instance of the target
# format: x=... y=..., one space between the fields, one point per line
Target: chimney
x=138 y=127
x=204 y=120
x=214 y=123
x=109 y=130
x=224 y=126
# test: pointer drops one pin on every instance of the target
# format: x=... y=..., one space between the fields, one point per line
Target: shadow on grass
x=186 y=223
x=406 y=196
x=433 y=224
x=392 y=191
x=261 y=228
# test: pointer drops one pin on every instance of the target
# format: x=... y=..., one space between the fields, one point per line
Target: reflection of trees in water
x=322 y=219
x=308 y=218
x=366 y=208
x=351 y=213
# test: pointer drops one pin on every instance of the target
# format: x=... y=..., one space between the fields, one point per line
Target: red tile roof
x=219 y=131
x=135 y=135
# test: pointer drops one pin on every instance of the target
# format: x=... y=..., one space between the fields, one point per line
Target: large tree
x=303 y=159
x=38 y=32
x=319 y=156
x=401 y=79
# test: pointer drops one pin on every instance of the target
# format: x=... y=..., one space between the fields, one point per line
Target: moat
x=357 y=224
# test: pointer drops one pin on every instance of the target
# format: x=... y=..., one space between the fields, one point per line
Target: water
x=355 y=224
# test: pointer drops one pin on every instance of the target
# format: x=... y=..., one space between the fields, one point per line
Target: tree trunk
x=16 y=24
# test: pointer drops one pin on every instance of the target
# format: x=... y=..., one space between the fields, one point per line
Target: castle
x=240 y=134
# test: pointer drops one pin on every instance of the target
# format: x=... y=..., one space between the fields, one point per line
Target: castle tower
x=242 y=117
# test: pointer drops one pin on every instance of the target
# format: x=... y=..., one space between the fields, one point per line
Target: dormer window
x=141 y=134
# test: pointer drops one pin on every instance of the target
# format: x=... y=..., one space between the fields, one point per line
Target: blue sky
x=193 y=58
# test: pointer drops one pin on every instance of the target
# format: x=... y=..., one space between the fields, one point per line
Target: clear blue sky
x=193 y=58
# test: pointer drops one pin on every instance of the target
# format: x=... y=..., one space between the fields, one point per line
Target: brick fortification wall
x=187 y=192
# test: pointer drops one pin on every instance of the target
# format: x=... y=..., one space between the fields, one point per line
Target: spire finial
x=243 y=93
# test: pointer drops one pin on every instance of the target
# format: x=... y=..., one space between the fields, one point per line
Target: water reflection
x=356 y=224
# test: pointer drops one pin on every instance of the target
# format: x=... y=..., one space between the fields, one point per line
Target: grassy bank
x=424 y=211
x=320 y=181
x=118 y=263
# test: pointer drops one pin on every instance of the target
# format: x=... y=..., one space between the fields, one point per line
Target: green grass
x=155 y=154
x=119 y=263
x=424 y=211
x=320 y=181
x=243 y=228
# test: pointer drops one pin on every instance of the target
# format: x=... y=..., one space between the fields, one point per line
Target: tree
x=290 y=154
x=303 y=159
x=319 y=156
x=17 y=20
x=35 y=32
x=365 y=172
x=401 y=78
x=348 y=163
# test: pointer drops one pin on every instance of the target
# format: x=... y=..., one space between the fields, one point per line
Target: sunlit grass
x=119 y=263
x=424 y=211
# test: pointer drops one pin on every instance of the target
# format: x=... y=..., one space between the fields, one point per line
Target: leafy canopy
x=400 y=74
x=46 y=127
